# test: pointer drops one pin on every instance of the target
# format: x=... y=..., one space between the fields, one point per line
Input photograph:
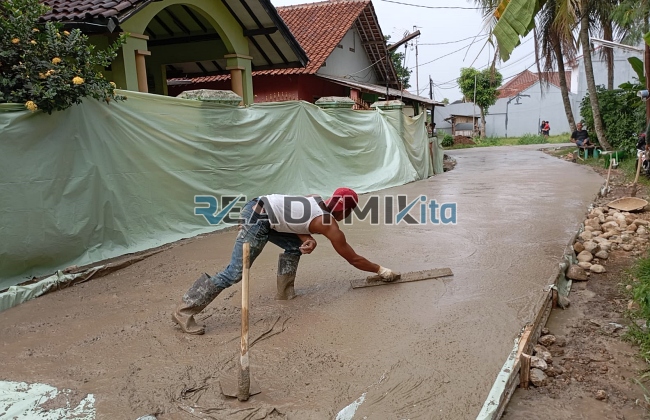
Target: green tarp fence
x=97 y=181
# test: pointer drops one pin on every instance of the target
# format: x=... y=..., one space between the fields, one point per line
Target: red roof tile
x=318 y=28
x=526 y=79
x=66 y=10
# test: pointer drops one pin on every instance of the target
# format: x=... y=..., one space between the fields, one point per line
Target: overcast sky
x=438 y=26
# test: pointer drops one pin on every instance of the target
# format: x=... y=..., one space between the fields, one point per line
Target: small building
x=464 y=125
x=168 y=38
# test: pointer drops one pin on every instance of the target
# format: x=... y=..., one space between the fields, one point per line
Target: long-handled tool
x=244 y=371
x=244 y=387
x=636 y=178
x=605 y=190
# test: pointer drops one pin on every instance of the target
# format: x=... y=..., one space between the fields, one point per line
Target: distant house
x=346 y=49
x=167 y=36
x=623 y=72
x=523 y=104
x=464 y=125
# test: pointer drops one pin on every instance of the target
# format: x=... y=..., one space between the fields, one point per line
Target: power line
x=454 y=42
x=433 y=7
x=443 y=56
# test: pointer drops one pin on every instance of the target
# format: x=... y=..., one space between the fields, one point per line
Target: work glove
x=387 y=275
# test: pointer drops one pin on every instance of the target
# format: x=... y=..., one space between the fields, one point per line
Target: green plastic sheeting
x=98 y=181
x=438 y=156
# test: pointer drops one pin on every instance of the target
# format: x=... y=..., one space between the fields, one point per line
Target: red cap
x=343 y=198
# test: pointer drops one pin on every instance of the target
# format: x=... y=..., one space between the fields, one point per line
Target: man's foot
x=186 y=321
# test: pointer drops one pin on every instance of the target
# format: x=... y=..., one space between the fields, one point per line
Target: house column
x=141 y=70
x=240 y=76
x=124 y=67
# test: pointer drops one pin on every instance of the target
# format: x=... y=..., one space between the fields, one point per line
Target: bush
x=45 y=67
x=447 y=140
x=532 y=139
x=623 y=115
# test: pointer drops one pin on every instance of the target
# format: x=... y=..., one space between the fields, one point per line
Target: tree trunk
x=564 y=89
x=609 y=53
x=589 y=71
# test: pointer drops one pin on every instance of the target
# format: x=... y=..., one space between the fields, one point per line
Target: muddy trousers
x=255 y=229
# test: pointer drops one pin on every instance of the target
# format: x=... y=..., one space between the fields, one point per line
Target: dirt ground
x=463 y=140
x=595 y=370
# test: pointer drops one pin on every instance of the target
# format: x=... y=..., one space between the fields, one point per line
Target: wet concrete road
x=428 y=350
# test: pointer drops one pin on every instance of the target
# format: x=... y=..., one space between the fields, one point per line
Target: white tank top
x=291 y=213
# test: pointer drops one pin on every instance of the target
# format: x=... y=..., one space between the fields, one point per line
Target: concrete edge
x=508 y=378
x=16 y=295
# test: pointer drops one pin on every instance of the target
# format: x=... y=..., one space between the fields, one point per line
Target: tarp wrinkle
x=96 y=181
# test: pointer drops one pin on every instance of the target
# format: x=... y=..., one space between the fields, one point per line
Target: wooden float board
x=404 y=278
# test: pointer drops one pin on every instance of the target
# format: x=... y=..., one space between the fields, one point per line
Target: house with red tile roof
x=526 y=79
x=235 y=37
x=523 y=103
x=347 y=57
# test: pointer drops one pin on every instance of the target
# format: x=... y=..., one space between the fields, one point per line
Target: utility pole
x=430 y=88
x=474 y=114
x=417 y=77
x=390 y=48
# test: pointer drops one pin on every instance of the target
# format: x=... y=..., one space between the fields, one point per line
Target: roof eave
x=286 y=33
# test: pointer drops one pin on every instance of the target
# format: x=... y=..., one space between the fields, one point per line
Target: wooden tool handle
x=609 y=171
x=244 y=372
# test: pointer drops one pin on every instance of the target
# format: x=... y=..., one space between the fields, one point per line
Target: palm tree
x=608 y=28
x=553 y=46
x=516 y=18
x=585 y=8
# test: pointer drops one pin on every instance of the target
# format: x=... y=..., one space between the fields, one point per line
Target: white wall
x=522 y=119
x=344 y=62
x=545 y=103
x=623 y=72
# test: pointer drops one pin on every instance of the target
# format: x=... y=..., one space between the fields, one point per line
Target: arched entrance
x=171 y=38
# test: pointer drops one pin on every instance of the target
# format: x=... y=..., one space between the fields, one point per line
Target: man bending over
x=288 y=222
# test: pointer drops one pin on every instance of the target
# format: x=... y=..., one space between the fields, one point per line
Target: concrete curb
x=509 y=377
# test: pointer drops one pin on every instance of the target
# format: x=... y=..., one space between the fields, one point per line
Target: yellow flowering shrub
x=42 y=69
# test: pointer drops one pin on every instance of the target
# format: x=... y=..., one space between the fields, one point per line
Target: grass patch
x=638 y=289
x=513 y=141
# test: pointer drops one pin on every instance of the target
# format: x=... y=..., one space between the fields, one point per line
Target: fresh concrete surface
x=428 y=349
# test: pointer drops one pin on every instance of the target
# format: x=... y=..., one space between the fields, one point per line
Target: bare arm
x=332 y=232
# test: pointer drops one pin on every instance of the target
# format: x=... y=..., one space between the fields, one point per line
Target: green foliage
x=640 y=293
x=447 y=140
x=487 y=82
x=403 y=73
x=45 y=67
x=637 y=65
x=532 y=139
x=622 y=112
x=631 y=16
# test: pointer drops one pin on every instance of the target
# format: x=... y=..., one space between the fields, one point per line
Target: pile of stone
x=606 y=230
x=541 y=362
